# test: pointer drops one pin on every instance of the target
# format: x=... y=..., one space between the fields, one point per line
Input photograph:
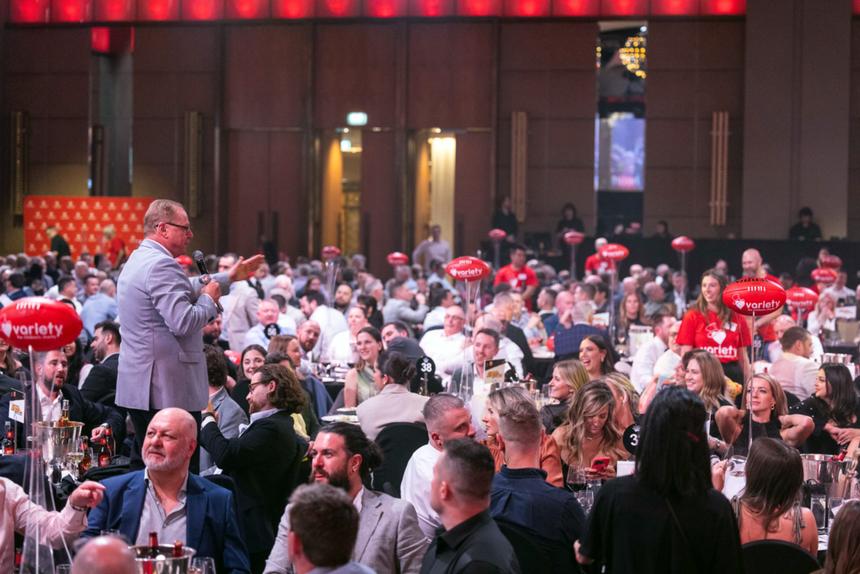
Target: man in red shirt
x=595 y=264
x=753 y=266
x=520 y=277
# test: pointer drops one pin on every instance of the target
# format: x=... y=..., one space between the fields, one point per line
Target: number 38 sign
x=631 y=438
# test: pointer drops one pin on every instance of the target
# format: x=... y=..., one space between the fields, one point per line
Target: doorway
x=435 y=165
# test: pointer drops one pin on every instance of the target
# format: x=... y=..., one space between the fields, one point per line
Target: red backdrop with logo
x=81 y=220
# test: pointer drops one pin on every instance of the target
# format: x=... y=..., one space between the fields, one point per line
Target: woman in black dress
x=834 y=408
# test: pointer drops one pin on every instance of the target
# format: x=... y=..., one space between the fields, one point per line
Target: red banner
x=81 y=221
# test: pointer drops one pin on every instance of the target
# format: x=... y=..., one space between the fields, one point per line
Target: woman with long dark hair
x=253 y=357
x=712 y=326
x=769 y=508
x=834 y=408
x=394 y=402
x=359 y=384
x=597 y=356
x=666 y=518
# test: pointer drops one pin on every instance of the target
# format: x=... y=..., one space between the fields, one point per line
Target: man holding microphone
x=162 y=314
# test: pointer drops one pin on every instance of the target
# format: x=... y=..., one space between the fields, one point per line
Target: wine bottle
x=111 y=445
x=8 y=443
x=153 y=544
x=103 y=454
x=87 y=460
x=178 y=552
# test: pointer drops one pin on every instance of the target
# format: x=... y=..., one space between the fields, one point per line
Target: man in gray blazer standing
x=162 y=314
x=389 y=539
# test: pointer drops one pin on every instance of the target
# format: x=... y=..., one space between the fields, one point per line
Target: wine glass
x=202 y=565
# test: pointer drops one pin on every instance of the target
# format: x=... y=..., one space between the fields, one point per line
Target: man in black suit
x=503 y=310
x=51 y=371
x=264 y=459
x=100 y=384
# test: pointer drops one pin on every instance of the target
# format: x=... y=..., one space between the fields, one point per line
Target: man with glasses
x=163 y=313
x=265 y=458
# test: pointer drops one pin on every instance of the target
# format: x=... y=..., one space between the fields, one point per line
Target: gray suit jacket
x=161 y=361
x=389 y=538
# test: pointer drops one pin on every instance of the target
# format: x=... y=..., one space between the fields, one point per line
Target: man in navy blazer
x=167 y=499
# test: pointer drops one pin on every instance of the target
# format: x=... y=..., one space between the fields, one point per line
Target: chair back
x=397 y=441
x=777 y=556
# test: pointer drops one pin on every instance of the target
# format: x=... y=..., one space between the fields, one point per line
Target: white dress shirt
x=444 y=350
x=644 y=361
x=415 y=488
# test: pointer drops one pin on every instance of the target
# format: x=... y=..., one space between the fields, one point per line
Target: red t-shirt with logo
x=723 y=340
x=596 y=264
x=518 y=279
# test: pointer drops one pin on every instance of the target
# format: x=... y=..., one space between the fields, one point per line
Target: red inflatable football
x=613 y=252
x=39 y=322
x=752 y=296
x=396 y=258
x=683 y=244
x=467 y=268
x=330 y=252
x=824 y=275
x=801 y=298
x=574 y=237
x=497 y=234
x=831 y=262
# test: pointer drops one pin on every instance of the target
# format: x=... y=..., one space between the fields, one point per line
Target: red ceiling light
x=29 y=11
x=624 y=7
x=724 y=7
x=247 y=9
x=71 y=11
x=114 y=10
x=116 y=40
x=293 y=9
x=674 y=7
x=158 y=10
x=583 y=8
x=431 y=8
x=339 y=9
x=385 y=8
x=202 y=10
x=478 y=8
x=527 y=8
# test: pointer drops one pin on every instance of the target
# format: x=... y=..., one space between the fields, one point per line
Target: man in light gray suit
x=162 y=315
x=389 y=538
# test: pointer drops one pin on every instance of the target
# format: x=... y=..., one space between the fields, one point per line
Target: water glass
x=202 y=565
x=818 y=506
x=833 y=506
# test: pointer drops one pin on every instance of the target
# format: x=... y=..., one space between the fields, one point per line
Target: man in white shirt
x=446 y=345
x=647 y=355
x=780 y=326
x=268 y=318
x=331 y=321
x=840 y=293
x=794 y=370
x=447 y=418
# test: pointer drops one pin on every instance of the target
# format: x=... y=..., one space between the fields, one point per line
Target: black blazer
x=516 y=335
x=264 y=463
x=100 y=384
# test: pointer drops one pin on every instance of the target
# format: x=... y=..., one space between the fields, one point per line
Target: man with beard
x=309 y=334
x=264 y=459
x=52 y=368
x=167 y=499
x=389 y=538
x=100 y=384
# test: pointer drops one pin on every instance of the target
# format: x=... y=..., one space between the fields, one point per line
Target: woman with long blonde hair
x=567 y=377
x=590 y=430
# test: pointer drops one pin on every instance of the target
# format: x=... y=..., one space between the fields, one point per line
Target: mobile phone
x=599 y=463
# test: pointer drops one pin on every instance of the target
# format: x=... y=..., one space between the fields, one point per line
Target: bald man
x=753 y=266
x=105 y=555
x=167 y=499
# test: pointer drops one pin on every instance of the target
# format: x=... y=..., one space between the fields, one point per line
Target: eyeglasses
x=185 y=228
x=253 y=386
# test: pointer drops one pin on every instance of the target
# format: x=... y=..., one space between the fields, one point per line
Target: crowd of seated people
x=309 y=363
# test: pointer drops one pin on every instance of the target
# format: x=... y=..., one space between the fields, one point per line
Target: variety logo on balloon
x=397 y=258
x=467 y=268
x=614 y=252
x=752 y=296
x=40 y=323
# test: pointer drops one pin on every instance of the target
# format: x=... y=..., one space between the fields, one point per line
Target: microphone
x=197 y=256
